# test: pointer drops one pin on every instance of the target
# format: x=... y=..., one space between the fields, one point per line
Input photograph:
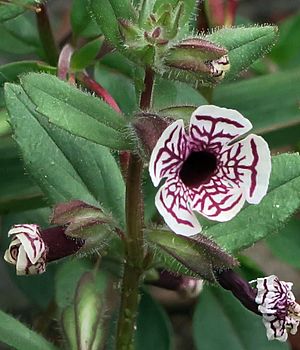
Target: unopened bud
x=199 y=56
x=149 y=128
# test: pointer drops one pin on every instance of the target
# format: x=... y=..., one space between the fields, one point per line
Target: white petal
x=217 y=200
x=169 y=152
x=248 y=164
x=212 y=127
x=172 y=203
x=32 y=242
x=23 y=262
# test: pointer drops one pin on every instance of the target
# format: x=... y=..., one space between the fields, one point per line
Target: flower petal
x=172 y=203
x=169 y=152
x=217 y=200
x=248 y=164
x=212 y=127
x=31 y=241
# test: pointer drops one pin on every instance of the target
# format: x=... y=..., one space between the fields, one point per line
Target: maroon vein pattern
x=242 y=172
x=276 y=302
x=27 y=249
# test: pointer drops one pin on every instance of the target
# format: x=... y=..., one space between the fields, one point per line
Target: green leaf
x=86 y=54
x=79 y=113
x=286 y=244
x=81 y=21
x=104 y=14
x=286 y=51
x=73 y=168
x=9 y=10
x=5 y=129
x=17 y=335
x=244 y=45
x=220 y=322
x=171 y=93
x=256 y=222
x=17 y=191
x=11 y=71
x=199 y=256
x=123 y=9
x=152 y=319
x=270 y=102
x=20 y=36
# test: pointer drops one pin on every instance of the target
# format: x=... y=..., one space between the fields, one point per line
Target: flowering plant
x=153 y=134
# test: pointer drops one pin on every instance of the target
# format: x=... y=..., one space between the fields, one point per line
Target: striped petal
x=247 y=164
x=212 y=127
x=169 y=152
x=172 y=202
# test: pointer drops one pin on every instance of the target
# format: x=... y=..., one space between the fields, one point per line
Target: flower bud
x=31 y=248
x=84 y=221
x=207 y=60
x=186 y=286
x=149 y=128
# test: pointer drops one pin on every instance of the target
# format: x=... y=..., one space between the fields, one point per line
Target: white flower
x=207 y=170
x=27 y=250
x=276 y=302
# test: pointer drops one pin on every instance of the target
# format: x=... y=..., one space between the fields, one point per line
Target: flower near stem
x=31 y=248
x=276 y=302
x=206 y=171
x=271 y=298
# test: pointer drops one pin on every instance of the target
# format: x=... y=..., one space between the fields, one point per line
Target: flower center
x=198 y=168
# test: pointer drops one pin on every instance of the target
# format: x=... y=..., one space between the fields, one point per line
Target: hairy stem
x=46 y=35
x=134 y=243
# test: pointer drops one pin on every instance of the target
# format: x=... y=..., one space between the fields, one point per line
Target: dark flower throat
x=198 y=168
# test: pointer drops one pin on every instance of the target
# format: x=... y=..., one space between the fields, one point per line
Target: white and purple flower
x=27 y=249
x=276 y=302
x=206 y=171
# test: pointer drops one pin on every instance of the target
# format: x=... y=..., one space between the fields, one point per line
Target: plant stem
x=146 y=95
x=134 y=243
x=46 y=35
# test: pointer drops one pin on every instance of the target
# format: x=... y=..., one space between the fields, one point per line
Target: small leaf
x=81 y=21
x=18 y=336
x=220 y=322
x=256 y=222
x=77 y=112
x=244 y=45
x=198 y=255
x=86 y=54
x=103 y=13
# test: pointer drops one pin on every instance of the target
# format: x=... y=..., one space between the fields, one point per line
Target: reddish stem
x=103 y=93
x=100 y=91
x=230 y=12
x=146 y=96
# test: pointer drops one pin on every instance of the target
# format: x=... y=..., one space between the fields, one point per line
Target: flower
x=31 y=247
x=276 y=302
x=27 y=250
x=205 y=171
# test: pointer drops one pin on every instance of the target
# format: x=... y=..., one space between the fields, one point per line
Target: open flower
x=27 y=249
x=276 y=302
x=32 y=248
x=206 y=172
